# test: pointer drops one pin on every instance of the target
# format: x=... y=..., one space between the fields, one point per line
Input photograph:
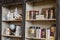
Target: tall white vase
x=8 y=15
x=18 y=30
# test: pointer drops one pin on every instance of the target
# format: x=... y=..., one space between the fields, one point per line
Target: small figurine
x=16 y=15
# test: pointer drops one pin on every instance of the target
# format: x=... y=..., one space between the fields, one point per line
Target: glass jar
x=32 y=31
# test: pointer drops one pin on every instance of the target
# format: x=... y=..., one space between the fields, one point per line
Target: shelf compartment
x=42 y=20
x=11 y=36
x=35 y=38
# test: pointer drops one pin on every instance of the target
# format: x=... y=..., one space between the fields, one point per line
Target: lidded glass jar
x=32 y=31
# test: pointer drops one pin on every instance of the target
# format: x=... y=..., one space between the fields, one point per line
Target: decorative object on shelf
x=18 y=31
x=33 y=14
x=38 y=32
x=11 y=16
x=27 y=15
x=45 y=12
x=37 y=13
x=43 y=33
x=40 y=17
x=8 y=15
x=52 y=13
x=32 y=31
x=53 y=30
x=3 y=18
x=8 y=39
x=51 y=16
x=8 y=31
x=52 y=38
x=49 y=13
x=47 y=34
x=12 y=28
x=16 y=15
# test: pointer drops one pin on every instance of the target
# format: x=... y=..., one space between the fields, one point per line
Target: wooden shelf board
x=33 y=0
x=12 y=20
x=34 y=38
x=11 y=36
x=12 y=4
x=42 y=20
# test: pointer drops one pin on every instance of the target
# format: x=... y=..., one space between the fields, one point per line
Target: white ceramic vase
x=18 y=30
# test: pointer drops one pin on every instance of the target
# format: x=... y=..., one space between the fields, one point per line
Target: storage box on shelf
x=40 y=16
x=11 y=22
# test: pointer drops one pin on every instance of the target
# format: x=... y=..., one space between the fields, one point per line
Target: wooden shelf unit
x=30 y=5
x=42 y=23
x=6 y=23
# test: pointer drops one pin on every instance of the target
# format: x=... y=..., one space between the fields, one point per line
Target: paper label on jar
x=31 y=30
